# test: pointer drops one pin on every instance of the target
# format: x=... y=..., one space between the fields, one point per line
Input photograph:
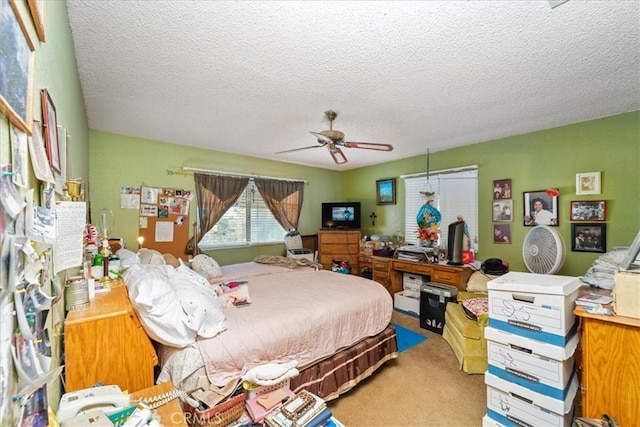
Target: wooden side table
x=171 y=413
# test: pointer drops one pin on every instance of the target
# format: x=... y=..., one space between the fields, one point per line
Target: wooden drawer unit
x=106 y=343
x=450 y=275
x=382 y=273
x=339 y=245
x=438 y=273
x=413 y=267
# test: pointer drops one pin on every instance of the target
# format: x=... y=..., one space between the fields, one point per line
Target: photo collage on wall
x=502 y=212
x=588 y=228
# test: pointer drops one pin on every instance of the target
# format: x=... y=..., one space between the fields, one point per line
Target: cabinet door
x=611 y=371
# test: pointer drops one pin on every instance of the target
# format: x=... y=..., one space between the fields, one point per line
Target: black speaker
x=455 y=242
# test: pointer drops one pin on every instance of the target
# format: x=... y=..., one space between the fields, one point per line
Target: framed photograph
x=443 y=254
x=37 y=14
x=588 y=237
x=502 y=233
x=540 y=208
x=50 y=123
x=386 y=191
x=588 y=183
x=502 y=210
x=588 y=210
x=17 y=55
x=502 y=189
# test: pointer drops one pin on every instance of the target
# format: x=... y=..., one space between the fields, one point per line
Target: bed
x=336 y=327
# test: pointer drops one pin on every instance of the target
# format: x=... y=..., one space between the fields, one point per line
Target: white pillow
x=203 y=263
x=154 y=301
x=150 y=256
x=203 y=308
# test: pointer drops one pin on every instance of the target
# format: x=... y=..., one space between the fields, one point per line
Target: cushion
x=475 y=308
x=478 y=282
x=203 y=263
x=171 y=260
x=150 y=256
x=154 y=301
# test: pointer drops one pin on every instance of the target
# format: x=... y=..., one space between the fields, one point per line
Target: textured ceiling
x=254 y=78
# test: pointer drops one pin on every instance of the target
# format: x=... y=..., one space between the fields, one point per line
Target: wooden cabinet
x=610 y=368
x=340 y=245
x=380 y=269
x=106 y=343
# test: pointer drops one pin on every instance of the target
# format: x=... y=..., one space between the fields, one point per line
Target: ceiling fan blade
x=322 y=138
x=338 y=156
x=298 y=149
x=369 y=146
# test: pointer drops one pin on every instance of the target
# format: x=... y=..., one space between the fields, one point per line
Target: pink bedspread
x=302 y=315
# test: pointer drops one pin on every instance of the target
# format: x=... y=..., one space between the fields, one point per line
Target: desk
x=610 y=368
x=438 y=273
x=170 y=413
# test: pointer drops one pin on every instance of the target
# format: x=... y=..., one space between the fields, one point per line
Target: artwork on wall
x=17 y=55
x=588 y=237
x=37 y=13
x=540 y=208
x=50 y=121
x=588 y=183
x=502 y=210
x=588 y=210
x=386 y=191
x=502 y=233
x=502 y=189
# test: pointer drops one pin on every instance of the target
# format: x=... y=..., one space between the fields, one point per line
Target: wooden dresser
x=106 y=343
x=340 y=245
x=610 y=368
x=380 y=268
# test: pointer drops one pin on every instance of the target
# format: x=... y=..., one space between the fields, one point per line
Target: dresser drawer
x=413 y=267
x=445 y=277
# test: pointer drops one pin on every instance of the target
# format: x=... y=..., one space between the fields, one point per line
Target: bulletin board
x=164 y=219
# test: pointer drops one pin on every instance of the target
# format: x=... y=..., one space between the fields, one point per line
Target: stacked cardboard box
x=531 y=344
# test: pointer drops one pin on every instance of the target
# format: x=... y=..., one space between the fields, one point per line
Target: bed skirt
x=339 y=373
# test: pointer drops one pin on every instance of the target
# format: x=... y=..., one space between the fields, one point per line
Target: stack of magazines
x=304 y=410
x=595 y=303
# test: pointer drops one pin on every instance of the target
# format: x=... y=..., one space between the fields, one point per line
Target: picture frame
x=502 y=189
x=502 y=210
x=542 y=205
x=588 y=210
x=587 y=183
x=16 y=101
x=50 y=124
x=502 y=233
x=386 y=191
x=36 y=7
x=588 y=237
x=443 y=254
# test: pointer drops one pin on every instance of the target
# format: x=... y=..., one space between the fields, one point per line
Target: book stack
x=595 y=303
x=259 y=406
x=304 y=410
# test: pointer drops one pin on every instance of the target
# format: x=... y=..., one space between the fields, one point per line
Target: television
x=455 y=241
x=341 y=215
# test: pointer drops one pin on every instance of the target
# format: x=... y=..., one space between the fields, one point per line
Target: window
x=247 y=222
x=456 y=193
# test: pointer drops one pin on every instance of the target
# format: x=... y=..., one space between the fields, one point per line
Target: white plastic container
x=407 y=304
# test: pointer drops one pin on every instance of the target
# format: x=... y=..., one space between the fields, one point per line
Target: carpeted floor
x=424 y=386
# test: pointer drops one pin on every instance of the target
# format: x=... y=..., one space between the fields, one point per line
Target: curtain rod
x=442 y=171
x=186 y=170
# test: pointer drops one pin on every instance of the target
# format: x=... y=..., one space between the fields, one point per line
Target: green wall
x=55 y=69
x=534 y=161
x=118 y=160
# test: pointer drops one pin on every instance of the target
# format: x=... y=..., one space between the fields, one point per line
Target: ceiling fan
x=334 y=139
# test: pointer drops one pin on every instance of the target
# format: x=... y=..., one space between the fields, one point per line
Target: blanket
x=287 y=262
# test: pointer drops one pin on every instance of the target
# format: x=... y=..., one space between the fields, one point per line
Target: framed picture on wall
x=17 y=55
x=588 y=237
x=540 y=208
x=50 y=122
x=502 y=211
x=588 y=183
x=502 y=233
x=386 y=191
x=502 y=189
x=588 y=210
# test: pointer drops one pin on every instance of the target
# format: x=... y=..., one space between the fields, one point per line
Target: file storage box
x=433 y=304
x=512 y=405
x=406 y=303
x=528 y=362
x=537 y=306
